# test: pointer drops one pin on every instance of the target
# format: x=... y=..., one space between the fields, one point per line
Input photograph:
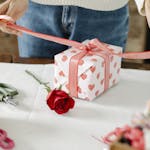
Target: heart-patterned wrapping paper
x=91 y=72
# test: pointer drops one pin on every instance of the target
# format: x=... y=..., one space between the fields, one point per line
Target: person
x=77 y=20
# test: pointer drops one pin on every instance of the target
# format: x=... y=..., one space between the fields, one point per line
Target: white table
x=33 y=126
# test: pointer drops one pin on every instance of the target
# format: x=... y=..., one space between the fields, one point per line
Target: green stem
x=38 y=80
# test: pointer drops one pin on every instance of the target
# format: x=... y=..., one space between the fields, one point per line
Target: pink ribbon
x=95 y=47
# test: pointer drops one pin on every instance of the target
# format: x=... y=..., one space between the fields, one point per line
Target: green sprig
x=39 y=81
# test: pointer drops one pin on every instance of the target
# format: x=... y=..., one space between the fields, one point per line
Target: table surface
x=33 y=126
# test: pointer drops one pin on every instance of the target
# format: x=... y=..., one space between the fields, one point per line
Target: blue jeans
x=70 y=22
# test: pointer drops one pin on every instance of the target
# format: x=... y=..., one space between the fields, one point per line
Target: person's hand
x=15 y=9
x=147 y=11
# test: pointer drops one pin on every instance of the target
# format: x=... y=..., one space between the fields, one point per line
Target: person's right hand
x=15 y=9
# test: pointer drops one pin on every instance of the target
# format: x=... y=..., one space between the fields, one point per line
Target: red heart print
x=110 y=76
x=91 y=87
x=115 y=64
x=112 y=58
x=98 y=75
x=102 y=82
x=93 y=68
x=83 y=76
x=81 y=62
x=114 y=81
x=64 y=58
x=61 y=73
x=97 y=93
x=118 y=71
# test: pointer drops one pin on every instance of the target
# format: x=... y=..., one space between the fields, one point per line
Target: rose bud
x=60 y=101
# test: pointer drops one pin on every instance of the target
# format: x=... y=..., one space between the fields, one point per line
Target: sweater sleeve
x=141 y=6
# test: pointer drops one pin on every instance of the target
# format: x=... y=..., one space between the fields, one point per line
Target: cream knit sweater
x=104 y=5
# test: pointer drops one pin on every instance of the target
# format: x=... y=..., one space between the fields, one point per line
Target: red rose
x=60 y=101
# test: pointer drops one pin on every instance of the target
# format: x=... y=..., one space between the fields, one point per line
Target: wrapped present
x=87 y=73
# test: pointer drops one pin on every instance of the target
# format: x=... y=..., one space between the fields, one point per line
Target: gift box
x=86 y=73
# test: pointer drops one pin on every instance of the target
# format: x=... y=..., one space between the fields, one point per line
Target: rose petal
x=50 y=99
x=60 y=107
x=61 y=93
x=72 y=102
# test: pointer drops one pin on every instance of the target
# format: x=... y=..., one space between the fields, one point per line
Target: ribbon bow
x=5 y=142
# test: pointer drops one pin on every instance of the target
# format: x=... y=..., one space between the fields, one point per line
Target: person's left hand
x=14 y=9
x=147 y=11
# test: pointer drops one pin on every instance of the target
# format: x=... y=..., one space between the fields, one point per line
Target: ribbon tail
x=136 y=55
x=51 y=38
x=127 y=55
